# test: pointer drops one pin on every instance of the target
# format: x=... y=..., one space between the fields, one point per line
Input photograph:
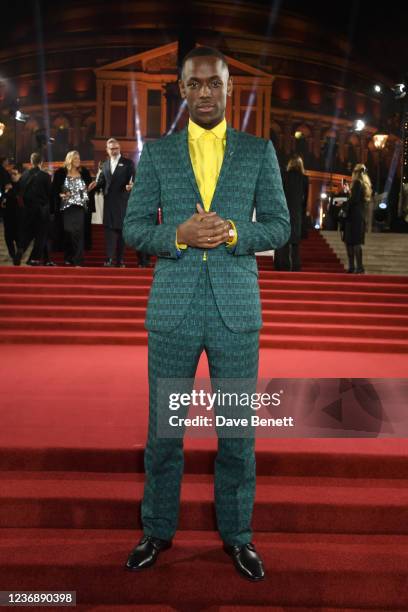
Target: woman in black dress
x=296 y=186
x=354 y=225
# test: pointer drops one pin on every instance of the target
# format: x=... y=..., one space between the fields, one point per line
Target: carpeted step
x=85 y=291
x=303 y=569
x=317 y=307
x=63 y=280
x=138 y=313
x=268 y=305
x=102 y=272
x=333 y=458
x=128 y=338
x=334 y=343
x=89 y=500
x=271 y=329
x=31 y=298
x=137 y=608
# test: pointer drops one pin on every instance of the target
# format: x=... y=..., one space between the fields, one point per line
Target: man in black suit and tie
x=35 y=189
x=116 y=180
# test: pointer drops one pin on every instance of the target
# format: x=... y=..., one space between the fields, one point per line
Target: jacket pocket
x=248 y=263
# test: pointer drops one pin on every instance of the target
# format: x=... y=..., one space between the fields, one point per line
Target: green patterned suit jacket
x=249 y=178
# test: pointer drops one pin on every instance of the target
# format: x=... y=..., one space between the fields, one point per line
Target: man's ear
x=229 y=87
x=182 y=88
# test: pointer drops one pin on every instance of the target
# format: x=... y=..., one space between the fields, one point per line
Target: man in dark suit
x=116 y=180
x=207 y=180
x=35 y=188
x=5 y=178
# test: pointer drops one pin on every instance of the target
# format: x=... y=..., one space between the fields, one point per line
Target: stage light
x=298 y=135
x=381 y=212
x=20 y=116
x=380 y=140
x=377 y=88
x=323 y=195
x=359 y=125
x=2 y=129
x=399 y=90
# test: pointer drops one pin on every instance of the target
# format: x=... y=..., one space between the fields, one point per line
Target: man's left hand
x=215 y=217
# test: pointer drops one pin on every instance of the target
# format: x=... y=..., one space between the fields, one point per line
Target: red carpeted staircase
x=316 y=254
x=330 y=515
x=301 y=310
x=331 y=521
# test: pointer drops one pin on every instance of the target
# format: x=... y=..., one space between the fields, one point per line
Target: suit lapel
x=186 y=161
x=232 y=137
x=108 y=173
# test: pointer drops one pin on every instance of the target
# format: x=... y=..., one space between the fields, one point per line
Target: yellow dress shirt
x=206 y=148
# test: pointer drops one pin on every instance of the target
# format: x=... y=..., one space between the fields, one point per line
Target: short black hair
x=203 y=52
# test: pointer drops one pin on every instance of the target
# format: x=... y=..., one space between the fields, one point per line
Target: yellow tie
x=209 y=167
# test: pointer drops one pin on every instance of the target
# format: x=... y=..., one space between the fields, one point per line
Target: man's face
x=113 y=149
x=205 y=85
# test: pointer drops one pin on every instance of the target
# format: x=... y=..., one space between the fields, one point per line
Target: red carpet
x=314 y=311
x=317 y=256
x=330 y=515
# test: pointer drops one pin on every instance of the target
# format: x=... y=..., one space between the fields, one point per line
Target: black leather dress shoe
x=146 y=552
x=246 y=560
x=17 y=258
x=108 y=263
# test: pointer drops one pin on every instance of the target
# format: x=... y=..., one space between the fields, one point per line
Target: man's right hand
x=203 y=230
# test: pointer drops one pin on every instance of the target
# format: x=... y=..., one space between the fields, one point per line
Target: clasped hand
x=205 y=230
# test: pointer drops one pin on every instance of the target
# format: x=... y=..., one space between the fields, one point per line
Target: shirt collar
x=195 y=131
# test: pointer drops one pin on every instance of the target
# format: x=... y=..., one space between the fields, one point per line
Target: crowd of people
x=349 y=214
x=55 y=213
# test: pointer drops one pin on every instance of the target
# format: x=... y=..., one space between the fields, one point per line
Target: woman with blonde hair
x=70 y=198
x=354 y=225
x=296 y=187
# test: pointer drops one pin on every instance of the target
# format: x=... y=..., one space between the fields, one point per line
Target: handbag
x=344 y=211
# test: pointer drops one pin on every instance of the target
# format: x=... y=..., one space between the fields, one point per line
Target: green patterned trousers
x=176 y=355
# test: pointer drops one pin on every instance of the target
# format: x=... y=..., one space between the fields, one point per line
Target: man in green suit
x=207 y=180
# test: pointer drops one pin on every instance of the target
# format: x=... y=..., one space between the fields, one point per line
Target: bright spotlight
x=323 y=195
x=20 y=116
x=377 y=88
x=359 y=125
x=400 y=91
x=382 y=205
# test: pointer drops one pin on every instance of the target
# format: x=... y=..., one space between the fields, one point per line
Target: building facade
x=296 y=86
